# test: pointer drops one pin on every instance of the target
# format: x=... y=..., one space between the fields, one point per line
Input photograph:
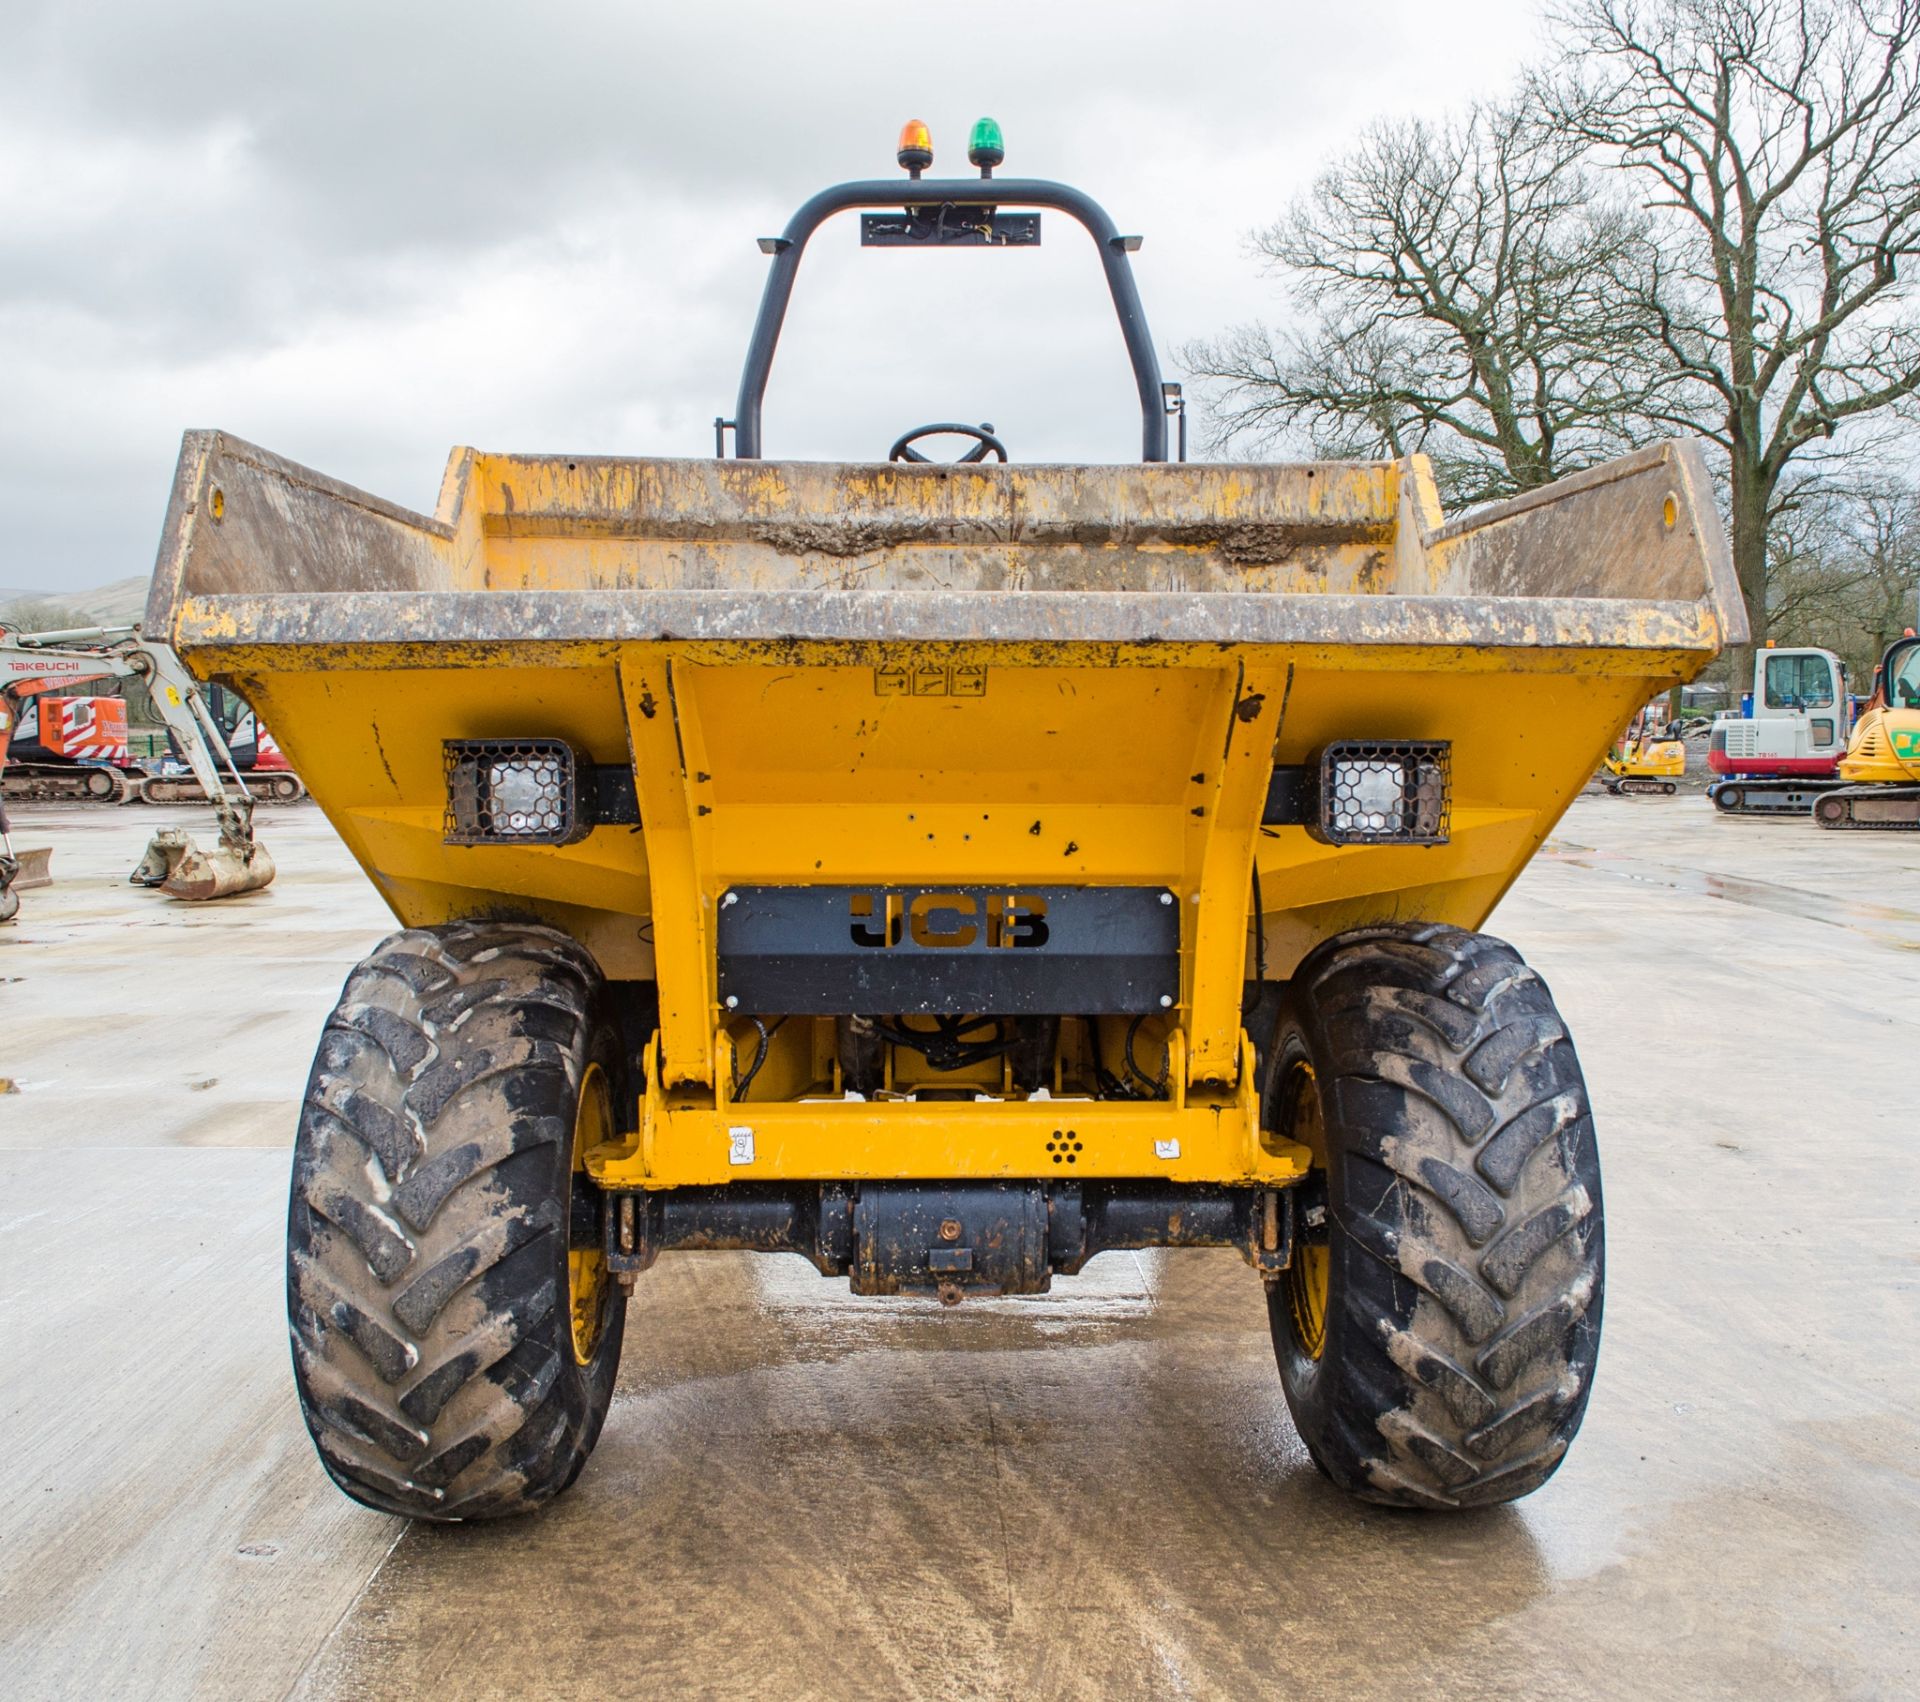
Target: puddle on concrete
x=1885 y=923
x=1115 y=1287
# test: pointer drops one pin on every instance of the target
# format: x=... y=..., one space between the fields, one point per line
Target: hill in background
x=118 y=604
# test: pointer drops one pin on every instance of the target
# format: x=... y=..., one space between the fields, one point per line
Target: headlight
x=514 y=792
x=1381 y=793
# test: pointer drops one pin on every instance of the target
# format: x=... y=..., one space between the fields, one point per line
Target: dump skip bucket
x=1008 y=682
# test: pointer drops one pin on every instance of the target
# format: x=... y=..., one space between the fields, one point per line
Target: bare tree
x=1814 y=571
x=1780 y=142
x=39 y=615
x=1884 y=534
x=1468 y=292
x=1843 y=561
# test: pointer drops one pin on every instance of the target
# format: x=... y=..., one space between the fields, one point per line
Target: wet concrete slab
x=1095 y=1493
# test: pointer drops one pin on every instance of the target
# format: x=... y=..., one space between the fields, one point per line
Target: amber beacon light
x=916 y=147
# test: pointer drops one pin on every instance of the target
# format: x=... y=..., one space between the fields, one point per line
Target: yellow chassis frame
x=695 y=719
x=691 y=1136
x=1207 y=1131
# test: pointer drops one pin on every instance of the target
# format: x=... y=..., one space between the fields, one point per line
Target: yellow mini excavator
x=1882 y=766
x=1644 y=761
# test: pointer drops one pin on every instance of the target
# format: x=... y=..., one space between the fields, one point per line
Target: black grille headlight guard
x=516 y=792
x=1380 y=792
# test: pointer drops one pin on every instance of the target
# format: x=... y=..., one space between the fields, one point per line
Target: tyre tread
x=430 y=1334
x=1474 y=1275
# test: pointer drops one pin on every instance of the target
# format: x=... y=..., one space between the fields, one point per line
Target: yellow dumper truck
x=945 y=871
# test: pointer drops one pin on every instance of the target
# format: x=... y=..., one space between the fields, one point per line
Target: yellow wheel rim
x=587 y=1266
x=1300 y=1120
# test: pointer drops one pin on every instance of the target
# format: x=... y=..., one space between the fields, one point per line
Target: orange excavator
x=74 y=749
x=32 y=663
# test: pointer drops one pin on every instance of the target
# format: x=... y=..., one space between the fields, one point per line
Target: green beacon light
x=985 y=147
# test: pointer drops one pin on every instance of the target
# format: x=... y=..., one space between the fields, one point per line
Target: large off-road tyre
x=455 y=1332
x=1438 y=1328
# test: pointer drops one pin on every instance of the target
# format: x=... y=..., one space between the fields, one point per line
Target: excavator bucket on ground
x=179 y=868
x=20 y=869
x=34 y=866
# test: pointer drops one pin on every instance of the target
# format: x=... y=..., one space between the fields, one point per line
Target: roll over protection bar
x=959 y=192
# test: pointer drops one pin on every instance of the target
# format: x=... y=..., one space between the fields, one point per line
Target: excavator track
x=1788 y=799
x=80 y=783
x=1890 y=809
x=277 y=787
x=30 y=783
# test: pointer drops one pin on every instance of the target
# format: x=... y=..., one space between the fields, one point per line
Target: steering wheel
x=985 y=443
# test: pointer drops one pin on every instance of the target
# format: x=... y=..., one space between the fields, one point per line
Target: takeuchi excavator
x=1880 y=773
x=62 y=748
x=172 y=862
x=1782 y=748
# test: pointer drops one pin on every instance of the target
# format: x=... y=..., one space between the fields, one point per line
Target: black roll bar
x=960 y=192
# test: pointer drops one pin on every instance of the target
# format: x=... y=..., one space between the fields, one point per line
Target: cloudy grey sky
x=362 y=233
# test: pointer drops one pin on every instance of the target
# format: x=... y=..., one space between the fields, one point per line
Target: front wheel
x=1438 y=1326
x=455 y=1331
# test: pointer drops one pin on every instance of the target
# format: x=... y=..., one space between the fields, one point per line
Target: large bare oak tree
x=1468 y=293
x=1703 y=217
x=1778 y=142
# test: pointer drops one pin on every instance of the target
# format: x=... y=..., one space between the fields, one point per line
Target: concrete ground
x=1095 y=1494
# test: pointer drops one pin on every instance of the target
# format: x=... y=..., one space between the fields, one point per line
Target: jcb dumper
x=946 y=872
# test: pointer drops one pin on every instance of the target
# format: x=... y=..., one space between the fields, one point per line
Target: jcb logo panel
x=948 y=921
x=948 y=950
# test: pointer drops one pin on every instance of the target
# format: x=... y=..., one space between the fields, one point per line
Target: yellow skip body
x=990 y=731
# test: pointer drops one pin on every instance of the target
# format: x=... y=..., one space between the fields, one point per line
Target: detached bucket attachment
x=179 y=868
x=35 y=868
x=19 y=869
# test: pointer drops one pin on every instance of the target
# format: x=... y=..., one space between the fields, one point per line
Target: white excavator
x=173 y=863
x=1781 y=750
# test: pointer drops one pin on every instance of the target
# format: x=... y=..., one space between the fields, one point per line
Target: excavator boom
x=30 y=662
